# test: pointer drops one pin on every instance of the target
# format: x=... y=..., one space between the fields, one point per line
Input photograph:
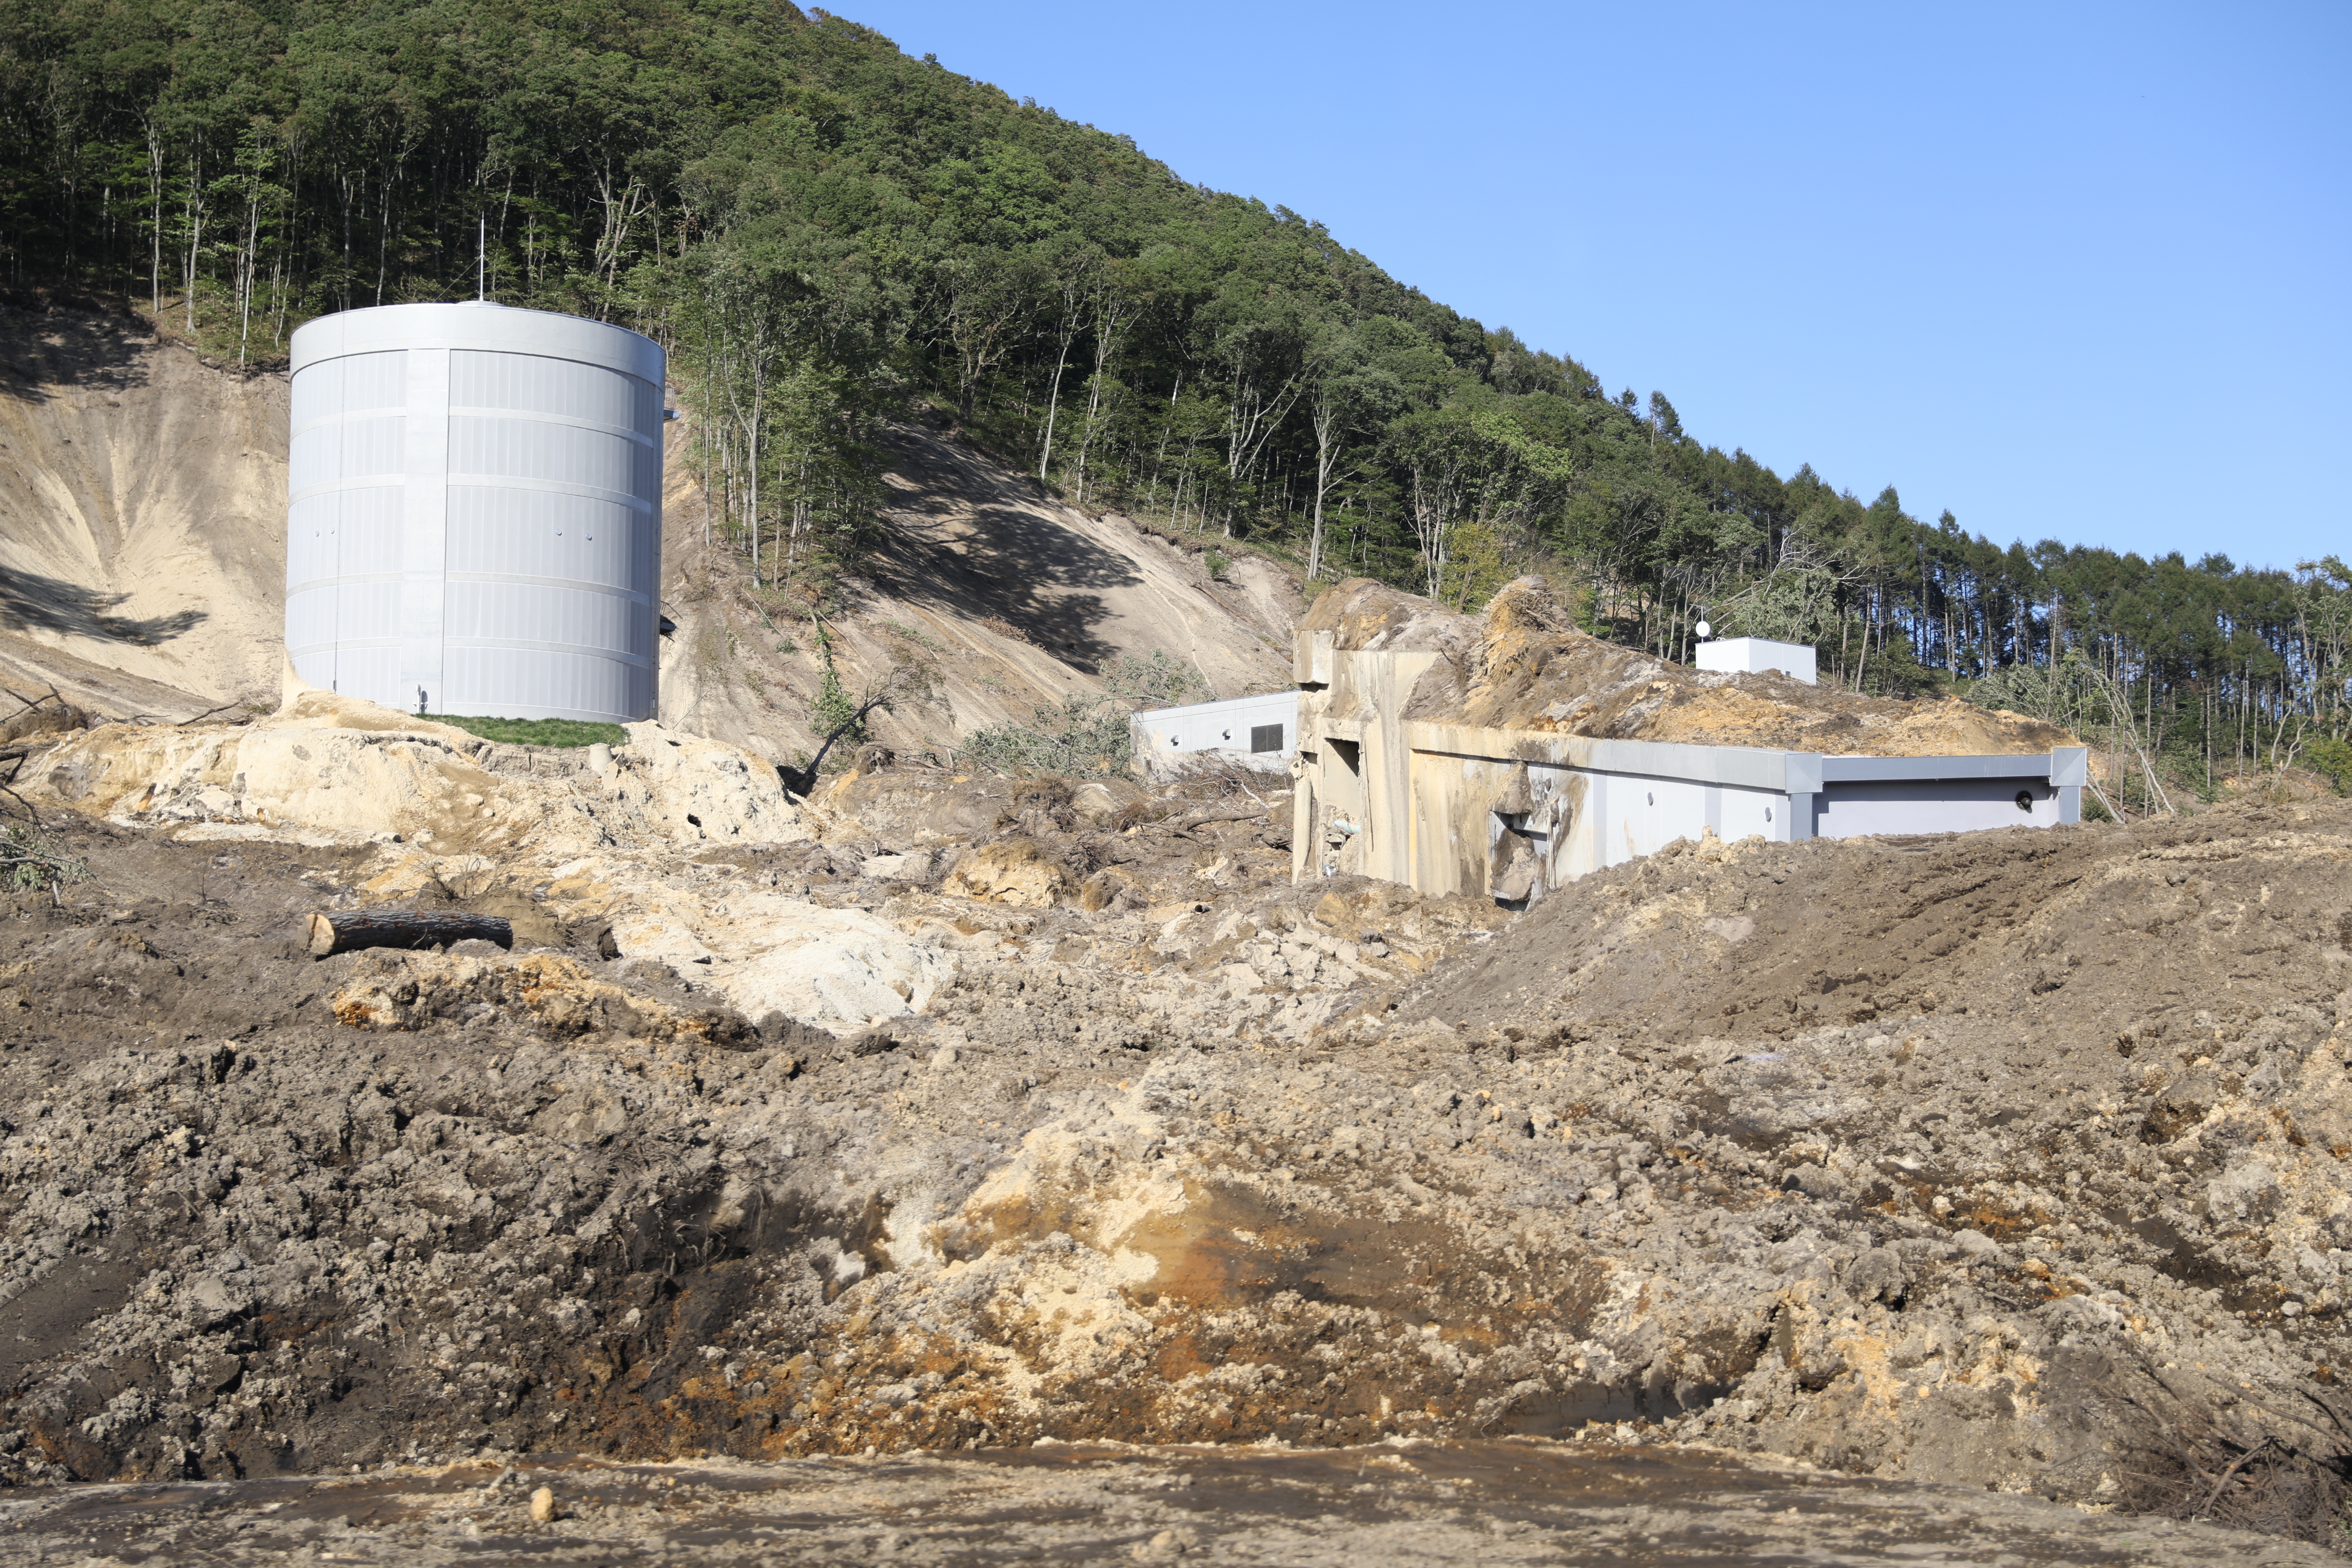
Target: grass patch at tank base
x=538 y=731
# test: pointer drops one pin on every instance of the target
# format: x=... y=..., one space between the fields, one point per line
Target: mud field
x=2012 y=1162
x=1406 y=1502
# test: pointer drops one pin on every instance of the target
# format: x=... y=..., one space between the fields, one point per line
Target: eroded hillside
x=990 y=597
x=142 y=517
x=143 y=496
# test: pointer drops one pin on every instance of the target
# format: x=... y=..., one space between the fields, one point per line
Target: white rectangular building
x=1754 y=655
x=1259 y=732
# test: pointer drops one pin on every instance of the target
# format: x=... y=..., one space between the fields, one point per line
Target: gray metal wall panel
x=425 y=532
x=560 y=685
x=1637 y=815
x=1837 y=770
x=518 y=447
x=487 y=613
x=348 y=387
x=357 y=669
x=311 y=631
x=536 y=385
x=495 y=528
x=1223 y=725
x=333 y=453
x=1851 y=808
x=475 y=510
x=310 y=549
x=342 y=534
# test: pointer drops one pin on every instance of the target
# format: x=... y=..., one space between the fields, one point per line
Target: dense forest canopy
x=823 y=229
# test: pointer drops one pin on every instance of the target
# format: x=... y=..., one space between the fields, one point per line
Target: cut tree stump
x=345 y=929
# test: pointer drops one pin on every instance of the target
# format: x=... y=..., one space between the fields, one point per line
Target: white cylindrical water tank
x=474 y=511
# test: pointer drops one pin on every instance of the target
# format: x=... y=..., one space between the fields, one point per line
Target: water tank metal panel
x=474 y=511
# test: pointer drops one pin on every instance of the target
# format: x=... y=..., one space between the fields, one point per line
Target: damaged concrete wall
x=1399 y=778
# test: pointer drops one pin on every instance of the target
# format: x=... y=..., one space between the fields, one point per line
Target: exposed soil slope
x=989 y=596
x=142 y=517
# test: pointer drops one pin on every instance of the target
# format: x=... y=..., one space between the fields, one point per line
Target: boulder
x=2242 y=1193
x=1009 y=871
x=839 y=970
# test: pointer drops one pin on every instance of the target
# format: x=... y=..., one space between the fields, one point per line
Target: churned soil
x=2008 y=1161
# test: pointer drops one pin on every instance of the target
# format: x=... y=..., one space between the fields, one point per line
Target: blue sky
x=2073 y=271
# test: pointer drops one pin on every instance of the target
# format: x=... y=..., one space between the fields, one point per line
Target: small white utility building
x=1259 y=732
x=474 y=511
x=1754 y=655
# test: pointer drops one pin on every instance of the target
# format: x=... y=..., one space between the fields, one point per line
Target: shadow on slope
x=31 y=602
x=68 y=343
x=970 y=540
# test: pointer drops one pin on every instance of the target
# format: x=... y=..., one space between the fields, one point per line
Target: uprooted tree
x=1084 y=733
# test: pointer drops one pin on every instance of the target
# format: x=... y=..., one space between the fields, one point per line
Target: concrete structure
x=1515 y=813
x=1754 y=655
x=474 y=511
x=1259 y=732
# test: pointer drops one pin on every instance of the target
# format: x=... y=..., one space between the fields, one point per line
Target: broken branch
x=2218 y=1487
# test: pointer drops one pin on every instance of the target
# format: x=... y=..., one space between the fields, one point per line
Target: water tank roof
x=477 y=324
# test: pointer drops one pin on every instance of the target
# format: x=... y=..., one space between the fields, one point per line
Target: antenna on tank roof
x=481 y=257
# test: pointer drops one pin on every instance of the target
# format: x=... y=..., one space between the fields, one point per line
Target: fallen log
x=343 y=931
x=1203 y=819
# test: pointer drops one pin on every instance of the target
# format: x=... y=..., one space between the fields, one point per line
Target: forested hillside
x=823 y=228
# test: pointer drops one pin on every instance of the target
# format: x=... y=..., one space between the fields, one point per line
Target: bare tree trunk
x=1069 y=329
x=156 y=192
x=245 y=254
x=1432 y=520
x=1324 y=418
x=1167 y=425
x=621 y=213
x=752 y=434
x=1110 y=315
x=383 y=230
x=195 y=208
x=1250 y=422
